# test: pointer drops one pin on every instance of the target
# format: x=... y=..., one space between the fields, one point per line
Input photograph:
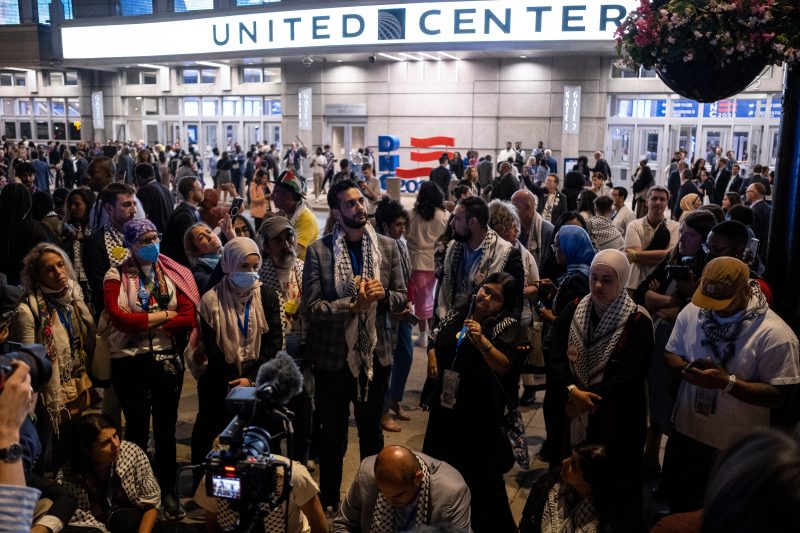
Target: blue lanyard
x=354 y=262
x=243 y=328
x=144 y=293
x=66 y=321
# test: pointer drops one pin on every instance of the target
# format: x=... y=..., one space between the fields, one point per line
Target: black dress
x=469 y=436
x=620 y=420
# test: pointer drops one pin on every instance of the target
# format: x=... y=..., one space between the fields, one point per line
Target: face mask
x=209 y=260
x=244 y=280
x=149 y=253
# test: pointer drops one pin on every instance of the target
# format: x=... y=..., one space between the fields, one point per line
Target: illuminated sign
x=572 y=109
x=304 y=109
x=392 y=25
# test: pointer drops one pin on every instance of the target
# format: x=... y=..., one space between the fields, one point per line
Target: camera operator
x=305 y=509
x=16 y=500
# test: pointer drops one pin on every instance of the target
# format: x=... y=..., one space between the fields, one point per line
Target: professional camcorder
x=246 y=473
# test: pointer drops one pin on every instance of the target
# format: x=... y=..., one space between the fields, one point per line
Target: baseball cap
x=289 y=181
x=724 y=278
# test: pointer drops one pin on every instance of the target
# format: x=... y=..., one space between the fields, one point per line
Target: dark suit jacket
x=558 y=210
x=738 y=185
x=441 y=177
x=157 y=204
x=674 y=186
x=553 y=165
x=504 y=187
x=720 y=184
x=181 y=220
x=688 y=187
x=328 y=314
x=762 y=212
x=96 y=264
x=757 y=178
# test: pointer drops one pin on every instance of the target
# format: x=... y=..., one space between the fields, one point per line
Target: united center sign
x=384 y=27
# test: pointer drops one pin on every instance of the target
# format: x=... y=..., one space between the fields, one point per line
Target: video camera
x=33 y=356
x=246 y=473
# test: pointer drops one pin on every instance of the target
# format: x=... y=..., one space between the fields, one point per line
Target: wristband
x=731 y=383
x=571 y=388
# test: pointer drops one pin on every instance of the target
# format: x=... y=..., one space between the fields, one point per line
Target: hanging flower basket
x=706 y=81
x=709 y=49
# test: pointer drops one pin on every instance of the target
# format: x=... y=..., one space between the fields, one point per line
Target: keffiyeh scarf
x=534 y=235
x=269 y=276
x=589 y=348
x=360 y=334
x=405 y=258
x=493 y=259
x=117 y=252
x=383 y=515
x=564 y=514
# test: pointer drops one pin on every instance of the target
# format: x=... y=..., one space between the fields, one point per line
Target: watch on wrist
x=12 y=454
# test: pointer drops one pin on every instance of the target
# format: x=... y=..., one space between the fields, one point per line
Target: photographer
x=16 y=500
x=664 y=293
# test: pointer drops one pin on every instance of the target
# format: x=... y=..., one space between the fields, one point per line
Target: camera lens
x=34 y=357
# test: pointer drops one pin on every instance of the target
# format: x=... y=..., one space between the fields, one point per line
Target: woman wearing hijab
x=572 y=248
x=54 y=315
x=690 y=202
x=151 y=302
x=598 y=361
x=237 y=337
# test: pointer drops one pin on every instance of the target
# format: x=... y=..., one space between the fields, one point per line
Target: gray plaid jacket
x=326 y=314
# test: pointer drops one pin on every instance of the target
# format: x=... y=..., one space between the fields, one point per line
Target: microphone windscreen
x=283 y=376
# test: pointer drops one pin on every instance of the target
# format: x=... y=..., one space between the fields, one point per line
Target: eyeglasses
x=144 y=241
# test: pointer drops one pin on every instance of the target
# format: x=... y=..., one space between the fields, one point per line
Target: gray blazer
x=326 y=313
x=450 y=498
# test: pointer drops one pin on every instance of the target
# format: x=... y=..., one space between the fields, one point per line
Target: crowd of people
x=638 y=317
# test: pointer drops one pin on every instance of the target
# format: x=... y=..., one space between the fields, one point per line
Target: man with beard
x=282 y=273
x=290 y=200
x=104 y=249
x=475 y=252
x=101 y=172
x=352 y=282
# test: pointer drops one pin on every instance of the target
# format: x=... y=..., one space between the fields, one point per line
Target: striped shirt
x=16 y=508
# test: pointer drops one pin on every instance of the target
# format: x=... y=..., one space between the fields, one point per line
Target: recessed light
x=340 y=60
x=523 y=57
x=390 y=56
x=450 y=56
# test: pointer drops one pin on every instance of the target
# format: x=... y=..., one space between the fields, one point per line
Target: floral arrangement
x=662 y=32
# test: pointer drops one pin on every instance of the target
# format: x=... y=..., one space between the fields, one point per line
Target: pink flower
x=48 y=331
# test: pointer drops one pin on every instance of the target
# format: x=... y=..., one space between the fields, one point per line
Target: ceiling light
x=210 y=64
x=340 y=60
x=450 y=56
x=523 y=57
x=147 y=65
x=429 y=56
x=18 y=69
x=390 y=57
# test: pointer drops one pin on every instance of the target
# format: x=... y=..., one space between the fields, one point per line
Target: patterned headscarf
x=133 y=230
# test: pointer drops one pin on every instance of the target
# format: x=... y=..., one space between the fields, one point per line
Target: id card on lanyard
x=451 y=378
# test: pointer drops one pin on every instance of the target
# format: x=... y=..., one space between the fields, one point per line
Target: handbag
x=514 y=428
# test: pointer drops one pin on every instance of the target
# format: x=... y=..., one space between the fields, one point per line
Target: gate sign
x=684 y=108
x=572 y=109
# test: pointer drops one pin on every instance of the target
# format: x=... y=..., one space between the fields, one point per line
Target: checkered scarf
x=269 y=276
x=383 y=515
x=360 y=333
x=535 y=233
x=116 y=250
x=564 y=514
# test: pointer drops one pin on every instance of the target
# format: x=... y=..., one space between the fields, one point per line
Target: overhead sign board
x=398 y=25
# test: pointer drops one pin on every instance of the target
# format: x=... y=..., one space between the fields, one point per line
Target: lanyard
x=243 y=328
x=66 y=321
x=354 y=262
x=147 y=290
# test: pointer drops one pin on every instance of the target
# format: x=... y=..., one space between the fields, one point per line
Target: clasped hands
x=369 y=292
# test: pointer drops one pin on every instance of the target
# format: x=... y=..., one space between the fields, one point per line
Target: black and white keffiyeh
x=269 y=276
x=563 y=513
x=534 y=234
x=405 y=258
x=493 y=259
x=116 y=250
x=383 y=515
x=360 y=334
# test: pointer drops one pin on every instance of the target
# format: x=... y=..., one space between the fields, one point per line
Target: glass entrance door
x=231 y=135
x=649 y=146
x=682 y=136
x=619 y=152
x=713 y=138
x=347 y=138
x=252 y=133
x=772 y=138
